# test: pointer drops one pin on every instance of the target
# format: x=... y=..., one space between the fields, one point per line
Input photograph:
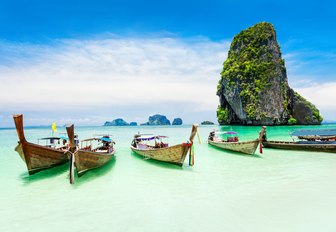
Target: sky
x=87 y=62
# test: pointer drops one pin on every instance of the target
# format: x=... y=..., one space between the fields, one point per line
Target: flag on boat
x=53 y=127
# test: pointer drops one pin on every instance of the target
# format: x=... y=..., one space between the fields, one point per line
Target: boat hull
x=174 y=154
x=299 y=146
x=38 y=158
x=87 y=160
x=247 y=147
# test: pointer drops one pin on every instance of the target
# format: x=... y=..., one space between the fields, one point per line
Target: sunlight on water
x=276 y=191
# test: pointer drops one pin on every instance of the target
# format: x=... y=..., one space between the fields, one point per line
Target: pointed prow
x=18 y=120
x=262 y=137
x=193 y=132
x=262 y=134
x=71 y=135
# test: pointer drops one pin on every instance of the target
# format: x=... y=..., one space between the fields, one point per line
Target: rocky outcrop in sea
x=177 y=121
x=207 y=123
x=254 y=90
x=116 y=122
x=157 y=119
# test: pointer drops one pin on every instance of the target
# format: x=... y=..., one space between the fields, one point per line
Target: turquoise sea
x=277 y=191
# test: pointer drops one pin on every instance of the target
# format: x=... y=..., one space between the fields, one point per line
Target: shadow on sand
x=60 y=170
x=235 y=153
x=93 y=174
x=160 y=163
x=48 y=173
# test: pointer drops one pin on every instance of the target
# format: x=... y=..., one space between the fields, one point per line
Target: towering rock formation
x=254 y=90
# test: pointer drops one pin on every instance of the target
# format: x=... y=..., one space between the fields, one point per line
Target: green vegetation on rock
x=249 y=65
x=315 y=113
x=223 y=115
x=292 y=121
x=253 y=88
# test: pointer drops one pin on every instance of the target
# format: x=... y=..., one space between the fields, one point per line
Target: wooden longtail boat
x=232 y=143
x=38 y=157
x=88 y=157
x=310 y=140
x=161 y=151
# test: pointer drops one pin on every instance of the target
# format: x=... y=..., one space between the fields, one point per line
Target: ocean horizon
x=187 y=124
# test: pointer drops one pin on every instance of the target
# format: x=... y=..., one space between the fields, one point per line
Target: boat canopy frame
x=314 y=133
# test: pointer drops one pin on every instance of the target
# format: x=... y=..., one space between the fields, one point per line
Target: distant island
x=207 y=123
x=156 y=120
x=254 y=90
x=119 y=122
x=177 y=121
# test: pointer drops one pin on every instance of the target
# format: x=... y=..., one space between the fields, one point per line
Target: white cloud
x=94 y=80
x=306 y=68
x=89 y=76
x=313 y=75
x=322 y=95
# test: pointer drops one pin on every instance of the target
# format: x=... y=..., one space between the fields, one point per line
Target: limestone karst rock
x=254 y=90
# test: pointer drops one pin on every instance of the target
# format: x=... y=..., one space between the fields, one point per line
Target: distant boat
x=321 y=140
x=232 y=142
x=161 y=151
x=38 y=157
x=92 y=153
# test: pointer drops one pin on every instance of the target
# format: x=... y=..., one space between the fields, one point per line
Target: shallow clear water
x=276 y=191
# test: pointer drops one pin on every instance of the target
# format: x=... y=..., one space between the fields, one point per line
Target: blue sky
x=36 y=19
x=48 y=42
x=39 y=20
